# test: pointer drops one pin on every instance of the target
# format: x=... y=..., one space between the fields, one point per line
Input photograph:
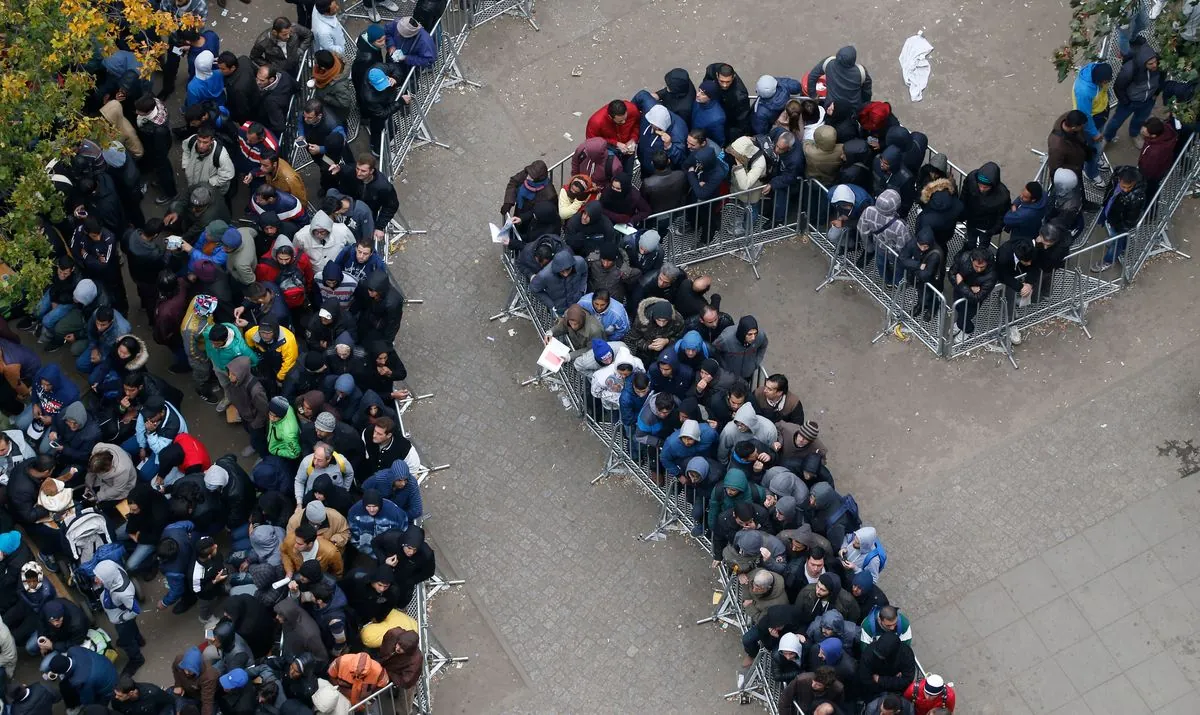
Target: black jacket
x=984 y=212
x=736 y=103
x=665 y=191
x=386 y=102
x=378 y=193
x=274 y=103
x=73 y=630
x=238 y=495
x=345 y=440
x=241 y=91
x=940 y=215
x=153 y=514
x=726 y=527
x=986 y=281
x=22 y=496
x=1006 y=266
x=152 y=700
x=377 y=319
x=912 y=258
x=890 y=659
x=1127 y=208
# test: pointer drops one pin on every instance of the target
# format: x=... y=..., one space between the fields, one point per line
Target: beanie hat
x=608 y=252
x=649 y=241
x=809 y=430
x=690 y=428
x=378 y=79
x=372 y=497
x=407 y=27
x=934 y=685
x=59 y=664
x=374 y=33
x=215 y=230
x=325 y=422
x=709 y=87
x=659 y=117
x=766 y=86
x=983 y=178
x=278 y=406
x=601 y=351
x=661 y=309
x=85 y=292
x=231 y=239
x=1101 y=72
x=712 y=367
x=315 y=512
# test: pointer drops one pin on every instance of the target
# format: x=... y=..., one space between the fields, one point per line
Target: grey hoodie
x=122 y=599
x=265 y=540
x=845 y=83
x=322 y=252
x=115 y=483
x=760 y=429
x=880 y=225
x=782 y=482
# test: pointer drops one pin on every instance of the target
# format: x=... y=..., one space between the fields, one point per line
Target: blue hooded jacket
x=767 y=109
x=631 y=404
x=706 y=180
x=615 y=320
x=649 y=142
x=1089 y=99
x=691 y=340
x=364 y=527
x=676 y=455
x=181 y=533
x=710 y=116
x=409 y=499
x=62 y=391
x=1026 y=221
x=92 y=676
x=680 y=381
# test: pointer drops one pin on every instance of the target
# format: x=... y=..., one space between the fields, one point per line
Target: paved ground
x=1036 y=534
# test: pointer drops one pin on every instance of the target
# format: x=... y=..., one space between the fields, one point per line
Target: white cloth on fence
x=914 y=65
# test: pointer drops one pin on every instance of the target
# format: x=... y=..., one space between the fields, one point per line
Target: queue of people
x=276 y=306
x=687 y=382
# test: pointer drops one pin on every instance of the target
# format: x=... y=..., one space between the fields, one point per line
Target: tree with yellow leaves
x=46 y=49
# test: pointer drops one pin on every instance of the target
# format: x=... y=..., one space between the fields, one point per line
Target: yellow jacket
x=285 y=344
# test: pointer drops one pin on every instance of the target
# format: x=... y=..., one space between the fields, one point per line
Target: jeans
x=750 y=641
x=147 y=471
x=1116 y=249
x=891 y=272
x=129 y=639
x=48 y=315
x=964 y=316
x=1091 y=167
x=1140 y=112
x=1138 y=21
x=83 y=362
x=176 y=587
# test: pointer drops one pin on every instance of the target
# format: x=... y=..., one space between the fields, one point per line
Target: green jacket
x=220 y=357
x=283 y=436
x=720 y=501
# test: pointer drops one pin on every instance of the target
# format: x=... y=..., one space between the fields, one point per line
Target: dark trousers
x=129 y=639
x=170 y=72
x=964 y=316
x=304 y=11
x=258 y=440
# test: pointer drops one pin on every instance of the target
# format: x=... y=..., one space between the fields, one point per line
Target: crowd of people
x=275 y=303
x=892 y=203
x=682 y=377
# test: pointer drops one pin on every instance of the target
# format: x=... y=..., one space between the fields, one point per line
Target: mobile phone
x=208 y=634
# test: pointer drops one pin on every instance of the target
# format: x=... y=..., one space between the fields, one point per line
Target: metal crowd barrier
x=488 y=10
x=301 y=159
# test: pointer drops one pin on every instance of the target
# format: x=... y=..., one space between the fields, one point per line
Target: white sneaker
x=373 y=14
x=222 y=405
x=959 y=337
x=1099 y=181
x=1014 y=335
x=1156 y=8
x=390 y=6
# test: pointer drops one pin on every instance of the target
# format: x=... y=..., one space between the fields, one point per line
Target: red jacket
x=194 y=453
x=601 y=125
x=1158 y=153
x=923 y=703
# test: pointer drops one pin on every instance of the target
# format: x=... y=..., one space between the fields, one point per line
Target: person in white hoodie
x=327 y=28
x=14 y=449
x=327 y=700
x=746 y=424
x=120 y=605
x=616 y=364
x=322 y=240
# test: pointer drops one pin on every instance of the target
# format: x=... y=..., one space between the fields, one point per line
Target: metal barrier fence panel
x=301 y=159
x=488 y=10
x=1150 y=237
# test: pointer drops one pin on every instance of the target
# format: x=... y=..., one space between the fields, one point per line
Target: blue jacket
x=1089 y=99
x=419 y=50
x=92 y=676
x=181 y=533
x=791 y=165
x=107 y=342
x=710 y=117
x=62 y=391
x=631 y=404
x=1026 y=221
x=649 y=142
x=679 y=383
x=709 y=172
x=202 y=90
x=675 y=455
x=350 y=265
x=615 y=320
x=409 y=499
x=766 y=111
x=218 y=256
x=364 y=527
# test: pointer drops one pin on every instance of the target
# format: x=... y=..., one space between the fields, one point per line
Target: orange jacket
x=357 y=676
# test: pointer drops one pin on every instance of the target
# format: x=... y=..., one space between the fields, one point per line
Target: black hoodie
x=377 y=317
x=679 y=95
x=984 y=212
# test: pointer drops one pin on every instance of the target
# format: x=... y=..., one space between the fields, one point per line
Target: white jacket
x=607 y=384
x=751 y=175
x=321 y=253
x=204 y=170
x=327 y=33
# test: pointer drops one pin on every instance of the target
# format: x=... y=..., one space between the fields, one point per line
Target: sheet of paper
x=554 y=355
x=625 y=229
x=502 y=234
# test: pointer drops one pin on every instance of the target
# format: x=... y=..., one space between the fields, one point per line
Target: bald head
x=701 y=284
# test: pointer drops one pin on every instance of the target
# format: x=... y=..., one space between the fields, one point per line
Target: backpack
x=218 y=146
x=291 y=286
x=862 y=71
x=849 y=509
x=879 y=552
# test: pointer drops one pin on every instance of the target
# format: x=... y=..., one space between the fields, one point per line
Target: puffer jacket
x=556 y=292
x=823 y=156
x=645 y=331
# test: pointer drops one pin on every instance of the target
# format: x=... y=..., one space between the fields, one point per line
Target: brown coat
x=327 y=556
x=202 y=687
x=1065 y=150
x=337 y=530
x=404 y=669
x=286 y=179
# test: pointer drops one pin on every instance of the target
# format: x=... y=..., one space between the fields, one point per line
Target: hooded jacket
x=553 y=290
x=1066 y=150
x=813 y=607
x=679 y=94
x=1135 y=83
x=842 y=629
x=197 y=679
x=767 y=107
x=735 y=355
x=377 y=318
x=708 y=176
x=1158 y=153
x=1066 y=200
x=283 y=436
x=76 y=444
x=404 y=669
x=892 y=661
x=679 y=383
x=984 y=212
x=300 y=632
x=118 y=481
x=592 y=159
x=360 y=219
x=119 y=598
x=846 y=81
x=649 y=142
x=720 y=502
x=823 y=156
x=709 y=116
x=1087 y=97
x=676 y=455
x=364 y=527
x=760 y=428
x=247 y=393
x=321 y=253
x=941 y=211
x=646 y=330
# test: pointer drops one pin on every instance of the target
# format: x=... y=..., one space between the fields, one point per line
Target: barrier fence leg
x=514 y=308
x=725 y=609
x=614 y=463
x=455 y=76
x=437 y=584
x=668 y=519
x=754 y=682
x=891 y=320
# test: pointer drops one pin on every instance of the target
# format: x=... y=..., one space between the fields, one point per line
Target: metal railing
x=488 y=10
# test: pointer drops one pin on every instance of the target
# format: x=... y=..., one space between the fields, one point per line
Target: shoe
x=1100 y=266
x=1014 y=335
x=222 y=405
x=1139 y=142
x=180 y=369
x=960 y=337
x=248 y=451
x=390 y=6
x=54 y=346
x=698 y=529
x=207 y=397
x=49 y=561
x=183 y=606
x=163 y=200
x=1099 y=181
x=373 y=14
x=148 y=574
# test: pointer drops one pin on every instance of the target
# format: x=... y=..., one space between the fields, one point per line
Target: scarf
x=156 y=117
x=620 y=202
x=529 y=189
x=322 y=77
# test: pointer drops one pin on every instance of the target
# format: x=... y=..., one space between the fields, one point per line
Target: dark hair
x=365 y=241
x=322 y=590
x=699 y=135
x=266 y=191
x=269 y=155
x=131 y=344
x=367 y=160
x=1024 y=250
x=307 y=532
x=206 y=131
x=386 y=424
x=1128 y=174
x=153 y=227
x=324 y=60
x=641 y=380
x=64 y=262
x=889 y=613
x=744 y=511
x=167 y=549
x=1154 y=126
x=44 y=463
x=144 y=103
x=744 y=449
x=187 y=35
x=322 y=6
x=272 y=73
x=738 y=389
x=663 y=401
x=892 y=701
x=602 y=294
x=616 y=108
x=134 y=379
x=979 y=254
x=817 y=552
x=314 y=105
x=281 y=23
x=1035 y=190
x=228 y=59
x=92 y=225
x=257 y=129
x=1076 y=118
x=825 y=675
x=725 y=71
x=195 y=113
x=661 y=160
x=126 y=684
x=779 y=379
x=255 y=290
